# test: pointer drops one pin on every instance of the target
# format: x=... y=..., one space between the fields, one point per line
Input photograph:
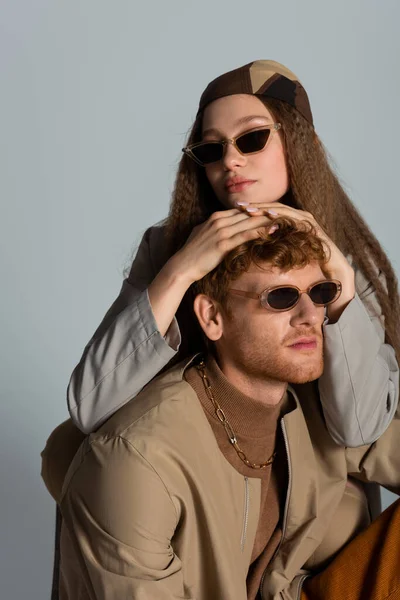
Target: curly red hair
x=293 y=245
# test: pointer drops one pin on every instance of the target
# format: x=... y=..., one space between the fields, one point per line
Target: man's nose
x=306 y=313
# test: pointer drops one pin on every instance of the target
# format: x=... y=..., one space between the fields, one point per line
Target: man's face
x=281 y=346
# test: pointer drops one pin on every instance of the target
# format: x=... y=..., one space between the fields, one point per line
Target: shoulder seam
x=153 y=469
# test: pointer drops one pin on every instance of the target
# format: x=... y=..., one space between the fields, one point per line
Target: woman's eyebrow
x=249 y=118
x=241 y=121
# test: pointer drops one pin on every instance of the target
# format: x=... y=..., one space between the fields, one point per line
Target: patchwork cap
x=265 y=78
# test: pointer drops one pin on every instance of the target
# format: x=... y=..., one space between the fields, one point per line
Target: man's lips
x=237 y=184
x=304 y=343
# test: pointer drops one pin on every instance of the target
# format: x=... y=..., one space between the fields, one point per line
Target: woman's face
x=251 y=178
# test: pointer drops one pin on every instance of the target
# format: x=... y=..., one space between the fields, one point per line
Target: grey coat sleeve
x=125 y=352
x=359 y=388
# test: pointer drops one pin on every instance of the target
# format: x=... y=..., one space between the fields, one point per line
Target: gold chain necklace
x=201 y=367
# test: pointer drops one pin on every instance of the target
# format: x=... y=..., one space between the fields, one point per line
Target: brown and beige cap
x=266 y=78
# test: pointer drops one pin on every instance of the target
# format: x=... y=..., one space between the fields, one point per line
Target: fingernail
x=273 y=228
x=242 y=203
x=251 y=209
x=272 y=212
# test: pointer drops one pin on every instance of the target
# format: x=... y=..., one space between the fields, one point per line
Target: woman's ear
x=209 y=316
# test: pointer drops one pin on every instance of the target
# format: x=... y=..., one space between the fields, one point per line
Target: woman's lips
x=235 y=187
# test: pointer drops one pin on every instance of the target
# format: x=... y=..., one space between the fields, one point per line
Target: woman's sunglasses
x=285 y=297
x=251 y=142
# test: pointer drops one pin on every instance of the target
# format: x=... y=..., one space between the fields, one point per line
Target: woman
x=252 y=155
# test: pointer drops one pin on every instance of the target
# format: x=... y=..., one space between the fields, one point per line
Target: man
x=219 y=480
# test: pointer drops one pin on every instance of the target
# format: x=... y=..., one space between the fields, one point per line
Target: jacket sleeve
x=120 y=520
x=125 y=352
x=378 y=462
x=359 y=388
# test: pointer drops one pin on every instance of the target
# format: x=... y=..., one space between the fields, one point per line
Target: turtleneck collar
x=247 y=417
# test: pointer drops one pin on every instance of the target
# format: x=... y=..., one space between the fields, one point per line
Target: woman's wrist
x=177 y=269
x=166 y=292
x=335 y=310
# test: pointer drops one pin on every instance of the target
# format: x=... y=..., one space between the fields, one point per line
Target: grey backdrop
x=95 y=100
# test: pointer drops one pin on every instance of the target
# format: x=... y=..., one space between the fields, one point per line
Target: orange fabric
x=367 y=569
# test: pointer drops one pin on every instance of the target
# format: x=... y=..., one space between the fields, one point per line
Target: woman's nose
x=232 y=157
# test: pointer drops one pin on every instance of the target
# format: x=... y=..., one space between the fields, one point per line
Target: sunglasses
x=250 y=142
x=285 y=297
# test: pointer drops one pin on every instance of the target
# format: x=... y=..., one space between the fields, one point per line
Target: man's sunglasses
x=251 y=142
x=285 y=297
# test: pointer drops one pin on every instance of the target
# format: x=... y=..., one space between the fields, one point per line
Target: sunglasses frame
x=301 y=292
x=188 y=150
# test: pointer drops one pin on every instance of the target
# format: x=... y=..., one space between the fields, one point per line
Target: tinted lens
x=323 y=293
x=208 y=153
x=281 y=298
x=254 y=141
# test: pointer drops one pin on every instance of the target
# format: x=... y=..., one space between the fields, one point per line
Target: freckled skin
x=254 y=343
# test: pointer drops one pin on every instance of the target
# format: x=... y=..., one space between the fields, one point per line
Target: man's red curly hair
x=295 y=244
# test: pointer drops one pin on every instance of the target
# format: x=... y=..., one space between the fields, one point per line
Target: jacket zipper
x=246 y=513
x=302 y=579
x=284 y=523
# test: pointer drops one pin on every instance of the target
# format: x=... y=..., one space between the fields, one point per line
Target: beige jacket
x=153 y=510
x=359 y=387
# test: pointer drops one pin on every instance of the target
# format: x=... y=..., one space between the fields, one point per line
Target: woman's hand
x=337 y=266
x=209 y=242
x=206 y=247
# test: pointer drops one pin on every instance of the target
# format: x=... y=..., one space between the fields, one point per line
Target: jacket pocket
x=350 y=519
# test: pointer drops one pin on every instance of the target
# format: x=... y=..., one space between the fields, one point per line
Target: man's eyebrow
x=241 y=121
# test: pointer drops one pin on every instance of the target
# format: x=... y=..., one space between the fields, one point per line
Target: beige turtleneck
x=256 y=428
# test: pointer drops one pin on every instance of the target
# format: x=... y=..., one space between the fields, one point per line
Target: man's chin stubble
x=304 y=375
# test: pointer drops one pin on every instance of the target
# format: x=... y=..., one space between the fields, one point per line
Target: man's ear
x=209 y=316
